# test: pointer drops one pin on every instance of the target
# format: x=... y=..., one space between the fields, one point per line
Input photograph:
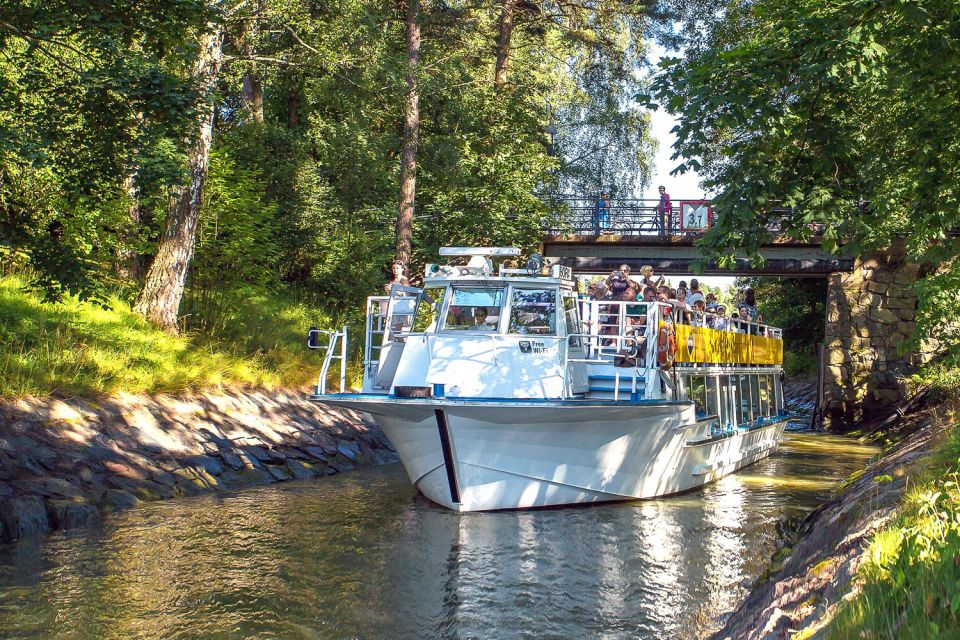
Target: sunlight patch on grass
x=79 y=348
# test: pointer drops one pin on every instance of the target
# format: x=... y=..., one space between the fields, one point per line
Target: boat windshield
x=534 y=312
x=474 y=309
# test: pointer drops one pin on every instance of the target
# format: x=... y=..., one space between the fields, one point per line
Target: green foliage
x=76 y=347
x=911 y=575
x=796 y=305
x=843 y=115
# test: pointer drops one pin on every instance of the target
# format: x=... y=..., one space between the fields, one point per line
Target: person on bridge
x=664 y=209
x=601 y=214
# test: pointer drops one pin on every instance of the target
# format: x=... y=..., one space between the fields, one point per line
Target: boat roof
x=500 y=280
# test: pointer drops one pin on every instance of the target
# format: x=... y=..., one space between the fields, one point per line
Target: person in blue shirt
x=601 y=214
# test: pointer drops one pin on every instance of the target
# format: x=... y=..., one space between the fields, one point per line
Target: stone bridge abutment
x=870 y=314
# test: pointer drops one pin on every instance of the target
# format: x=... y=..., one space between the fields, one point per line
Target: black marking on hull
x=447 y=455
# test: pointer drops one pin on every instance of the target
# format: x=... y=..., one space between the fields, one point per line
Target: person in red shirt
x=665 y=208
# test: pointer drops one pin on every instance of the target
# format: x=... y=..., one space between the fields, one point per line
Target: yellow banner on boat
x=699 y=344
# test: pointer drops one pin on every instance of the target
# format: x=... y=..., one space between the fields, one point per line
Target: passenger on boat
x=619 y=280
x=647 y=277
x=682 y=291
x=711 y=302
x=597 y=291
x=679 y=307
x=721 y=321
x=744 y=314
x=694 y=292
x=750 y=302
x=698 y=315
x=397 y=276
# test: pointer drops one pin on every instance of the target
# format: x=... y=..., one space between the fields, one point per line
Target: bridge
x=870 y=305
x=638 y=231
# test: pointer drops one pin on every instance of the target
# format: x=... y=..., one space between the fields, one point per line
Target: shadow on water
x=362 y=555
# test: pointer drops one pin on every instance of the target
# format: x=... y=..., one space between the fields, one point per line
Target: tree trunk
x=503 y=43
x=128 y=263
x=159 y=302
x=411 y=137
x=253 y=95
x=293 y=108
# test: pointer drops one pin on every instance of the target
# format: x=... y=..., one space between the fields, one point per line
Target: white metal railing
x=376 y=321
x=335 y=349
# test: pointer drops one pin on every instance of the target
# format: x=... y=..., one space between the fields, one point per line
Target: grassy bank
x=80 y=348
x=910 y=579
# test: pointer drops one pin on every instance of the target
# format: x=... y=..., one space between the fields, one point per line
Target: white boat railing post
x=343 y=361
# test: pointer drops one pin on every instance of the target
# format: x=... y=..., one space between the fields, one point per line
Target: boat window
x=755 y=397
x=697 y=392
x=428 y=309
x=726 y=402
x=713 y=406
x=474 y=309
x=764 y=396
x=743 y=397
x=572 y=316
x=534 y=312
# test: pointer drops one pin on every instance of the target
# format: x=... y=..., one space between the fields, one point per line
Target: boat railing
x=614 y=330
x=712 y=320
x=376 y=323
x=335 y=348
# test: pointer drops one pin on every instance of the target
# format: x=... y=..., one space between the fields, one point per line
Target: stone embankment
x=62 y=462
x=816 y=569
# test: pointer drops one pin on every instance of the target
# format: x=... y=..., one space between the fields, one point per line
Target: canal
x=360 y=555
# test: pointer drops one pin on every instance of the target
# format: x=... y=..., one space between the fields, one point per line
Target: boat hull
x=485 y=455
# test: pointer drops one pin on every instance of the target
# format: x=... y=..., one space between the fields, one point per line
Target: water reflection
x=361 y=555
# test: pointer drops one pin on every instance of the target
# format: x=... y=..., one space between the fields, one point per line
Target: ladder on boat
x=335 y=349
x=626 y=386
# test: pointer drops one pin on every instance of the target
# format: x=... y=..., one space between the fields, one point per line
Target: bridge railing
x=639 y=217
x=627 y=216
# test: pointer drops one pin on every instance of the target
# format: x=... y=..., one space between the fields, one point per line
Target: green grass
x=911 y=573
x=80 y=348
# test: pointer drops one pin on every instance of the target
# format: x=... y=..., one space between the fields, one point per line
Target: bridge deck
x=675 y=254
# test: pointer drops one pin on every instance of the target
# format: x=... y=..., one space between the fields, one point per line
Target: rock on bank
x=800 y=595
x=63 y=461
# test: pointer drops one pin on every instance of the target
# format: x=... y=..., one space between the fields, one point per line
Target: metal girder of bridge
x=676 y=255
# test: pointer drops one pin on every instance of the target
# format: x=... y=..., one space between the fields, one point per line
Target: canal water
x=360 y=555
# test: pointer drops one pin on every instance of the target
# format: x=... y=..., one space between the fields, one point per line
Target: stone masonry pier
x=870 y=314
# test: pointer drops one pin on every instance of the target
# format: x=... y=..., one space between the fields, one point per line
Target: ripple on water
x=361 y=555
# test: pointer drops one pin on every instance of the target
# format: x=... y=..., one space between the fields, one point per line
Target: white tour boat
x=504 y=389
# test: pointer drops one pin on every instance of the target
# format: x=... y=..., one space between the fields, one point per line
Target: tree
x=159 y=301
x=842 y=116
x=411 y=137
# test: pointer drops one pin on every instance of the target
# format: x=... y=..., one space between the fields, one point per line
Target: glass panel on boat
x=763 y=395
x=428 y=309
x=534 y=312
x=743 y=396
x=726 y=417
x=572 y=316
x=713 y=399
x=755 y=397
x=474 y=309
x=697 y=392
x=400 y=312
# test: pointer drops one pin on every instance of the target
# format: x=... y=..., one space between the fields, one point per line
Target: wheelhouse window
x=428 y=309
x=534 y=312
x=474 y=309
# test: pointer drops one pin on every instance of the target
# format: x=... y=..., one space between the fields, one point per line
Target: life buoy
x=666 y=346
